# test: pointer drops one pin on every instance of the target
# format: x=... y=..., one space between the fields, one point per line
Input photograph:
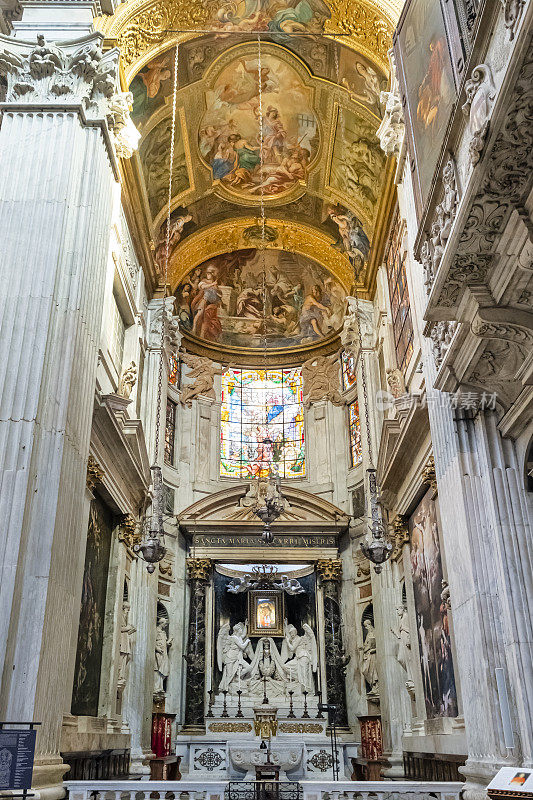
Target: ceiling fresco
x=260 y=298
x=323 y=179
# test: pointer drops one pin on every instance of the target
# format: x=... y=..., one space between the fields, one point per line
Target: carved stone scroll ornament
x=357 y=314
x=127 y=380
x=392 y=129
x=512 y=11
x=321 y=380
x=70 y=76
x=433 y=248
x=202 y=375
x=480 y=91
x=94 y=473
x=172 y=337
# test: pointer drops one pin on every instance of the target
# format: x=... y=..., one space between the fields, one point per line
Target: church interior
x=266 y=395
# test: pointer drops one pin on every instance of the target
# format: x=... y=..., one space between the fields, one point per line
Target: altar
x=269 y=674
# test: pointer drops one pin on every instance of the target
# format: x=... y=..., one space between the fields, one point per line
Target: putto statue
x=300 y=656
x=232 y=650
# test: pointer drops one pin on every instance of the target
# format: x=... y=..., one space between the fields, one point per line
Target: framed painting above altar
x=265 y=612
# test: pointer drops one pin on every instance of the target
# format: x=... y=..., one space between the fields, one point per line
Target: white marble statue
x=267 y=671
x=369 y=663
x=127 y=380
x=126 y=634
x=403 y=652
x=299 y=655
x=232 y=651
x=162 y=663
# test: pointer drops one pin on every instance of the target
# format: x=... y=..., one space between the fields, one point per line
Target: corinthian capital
x=74 y=75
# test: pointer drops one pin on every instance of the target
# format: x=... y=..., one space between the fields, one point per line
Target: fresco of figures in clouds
x=283 y=16
x=230 y=130
x=223 y=300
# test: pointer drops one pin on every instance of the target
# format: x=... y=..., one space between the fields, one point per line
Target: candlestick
x=265 y=698
x=291 y=714
x=305 y=715
x=320 y=715
x=239 y=710
x=225 y=707
x=210 y=704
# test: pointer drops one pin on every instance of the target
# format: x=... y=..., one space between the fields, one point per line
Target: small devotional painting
x=425 y=72
x=265 y=612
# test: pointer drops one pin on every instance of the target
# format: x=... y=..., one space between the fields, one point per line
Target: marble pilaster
x=55 y=215
x=199 y=572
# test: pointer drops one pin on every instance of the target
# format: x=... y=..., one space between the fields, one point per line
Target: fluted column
x=199 y=574
x=330 y=572
x=487 y=540
x=61 y=124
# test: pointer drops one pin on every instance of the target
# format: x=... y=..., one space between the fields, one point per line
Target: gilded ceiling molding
x=234 y=234
x=139 y=27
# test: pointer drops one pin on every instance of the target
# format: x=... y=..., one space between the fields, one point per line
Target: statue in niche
x=162 y=663
x=369 y=662
x=403 y=652
x=126 y=634
x=299 y=655
x=232 y=650
x=267 y=670
x=127 y=381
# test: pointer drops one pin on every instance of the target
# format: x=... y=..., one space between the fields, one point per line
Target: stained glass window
x=356 y=453
x=348 y=370
x=174 y=371
x=399 y=295
x=262 y=424
x=170 y=432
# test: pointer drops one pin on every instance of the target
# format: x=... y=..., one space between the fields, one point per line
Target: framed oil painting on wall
x=265 y=612
x=429 y=58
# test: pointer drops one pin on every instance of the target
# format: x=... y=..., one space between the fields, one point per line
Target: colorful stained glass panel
x=262 y=424
x=348 y=370
x=356 y=452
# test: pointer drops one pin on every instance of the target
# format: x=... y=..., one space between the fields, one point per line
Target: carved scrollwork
x=512 y=11
x=480 y=93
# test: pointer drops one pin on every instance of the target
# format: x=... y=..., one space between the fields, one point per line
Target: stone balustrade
x=215 y=790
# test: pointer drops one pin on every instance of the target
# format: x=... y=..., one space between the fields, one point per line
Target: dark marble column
x=330 y=572
x=199 y=573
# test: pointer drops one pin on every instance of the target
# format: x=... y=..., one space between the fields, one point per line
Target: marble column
x=199 y=574
x=487 y=545
x=330 y=572
x=61 y=126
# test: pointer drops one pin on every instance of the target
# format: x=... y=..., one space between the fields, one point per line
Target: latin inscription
x=280 y=540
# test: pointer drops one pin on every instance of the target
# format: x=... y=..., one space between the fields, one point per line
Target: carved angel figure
x=232 y=651
x=238 y=585
x=290 y=585
x=321 y=380
x=203 y=372
x=299 y=655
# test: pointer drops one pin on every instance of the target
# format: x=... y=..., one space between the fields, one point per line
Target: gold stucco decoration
x=199 y=569
x=330 y=569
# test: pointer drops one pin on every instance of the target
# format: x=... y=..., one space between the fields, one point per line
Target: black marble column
x=199 y=572
x=330 y=572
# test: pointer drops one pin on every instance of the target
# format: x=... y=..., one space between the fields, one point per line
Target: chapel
x=266 y=399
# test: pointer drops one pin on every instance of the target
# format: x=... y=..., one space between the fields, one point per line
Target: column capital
x=330 y=569
x=77 y=76
x=94 y=473
x=199 y=569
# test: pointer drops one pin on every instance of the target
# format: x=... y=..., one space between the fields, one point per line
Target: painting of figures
x=425 y=68
x=91 y=628
x=431 y=605
x=285 y=16
x=347 y=228
x=248 y=298
x=150 y=87
x=153 y=152
x=229 y=136
x=362 y=80
x=358 y=163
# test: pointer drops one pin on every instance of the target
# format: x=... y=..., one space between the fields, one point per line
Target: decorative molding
x=129 y=531
x=94 y=473
x=400 y=535
x=429 y=476
x=441 y=337
x=199 y=569
x=444 y=217
x=300 y=727
x=330 y=569
x=480 y=93
x=512 y=12
x=321 y=380
x=230 y=727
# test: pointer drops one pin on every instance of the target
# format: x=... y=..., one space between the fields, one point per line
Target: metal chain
x=262 y=197
x=167 y=249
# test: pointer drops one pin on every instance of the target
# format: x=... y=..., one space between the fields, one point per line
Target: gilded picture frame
x=265 y=612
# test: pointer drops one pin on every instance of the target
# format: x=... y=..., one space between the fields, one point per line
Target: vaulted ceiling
x=309 y=74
